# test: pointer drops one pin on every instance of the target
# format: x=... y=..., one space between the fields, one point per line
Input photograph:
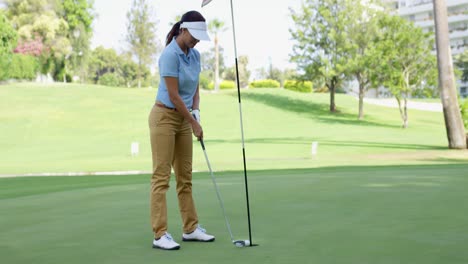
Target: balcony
x=427 y=7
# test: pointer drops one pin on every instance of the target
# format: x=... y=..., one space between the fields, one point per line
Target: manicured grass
x=372 y=214
x=81 y=128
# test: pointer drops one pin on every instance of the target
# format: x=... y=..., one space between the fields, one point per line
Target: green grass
x=388 y=214
x=81 y=128
x=375 y=193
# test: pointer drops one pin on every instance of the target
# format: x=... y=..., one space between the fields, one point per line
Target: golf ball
x=242 y=243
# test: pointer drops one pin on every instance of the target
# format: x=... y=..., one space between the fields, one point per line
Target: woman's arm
x=173 y=90
x=196 y=99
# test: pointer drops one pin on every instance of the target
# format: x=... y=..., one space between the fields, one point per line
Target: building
x=422 y=14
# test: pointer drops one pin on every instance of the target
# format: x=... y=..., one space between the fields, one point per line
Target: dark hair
x=190 y=16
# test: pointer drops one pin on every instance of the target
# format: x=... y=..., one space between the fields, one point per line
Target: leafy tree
x=8 y=38
x=8 y=35
x=141 y=35
x=115 y=68
x=103 y=61
x=244 y=73
x=270 y=73
x=362 y=36
x=406 y=62
x=322 y=45
x=208 y=62
x=461 y=61
x=289 y=74
x=79 y=16
x=215 y=26
x=37 y=20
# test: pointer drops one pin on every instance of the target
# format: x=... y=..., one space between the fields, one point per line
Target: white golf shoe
x=198 y=235
x=165 y=242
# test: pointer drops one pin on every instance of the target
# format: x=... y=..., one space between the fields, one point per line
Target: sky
x=261 y=27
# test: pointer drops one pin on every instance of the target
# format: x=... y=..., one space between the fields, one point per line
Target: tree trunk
x=216 y=77
x=453 y=122
x=139 y=73
x=361 y=99
x=405 y=113
x=332 y=95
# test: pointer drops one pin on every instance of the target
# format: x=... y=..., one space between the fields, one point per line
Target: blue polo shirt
x=186 y=68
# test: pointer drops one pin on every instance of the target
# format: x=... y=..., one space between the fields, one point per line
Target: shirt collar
x=178 y=49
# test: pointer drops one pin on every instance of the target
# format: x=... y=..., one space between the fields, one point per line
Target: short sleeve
x=197 y=55
x=169 y=64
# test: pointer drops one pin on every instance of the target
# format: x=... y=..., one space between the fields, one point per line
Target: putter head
x=241 y=243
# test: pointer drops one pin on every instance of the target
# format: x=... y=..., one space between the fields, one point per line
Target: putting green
x=391 y=214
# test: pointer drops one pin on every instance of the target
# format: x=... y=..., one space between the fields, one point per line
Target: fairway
x=390 y=214
x=87 y=128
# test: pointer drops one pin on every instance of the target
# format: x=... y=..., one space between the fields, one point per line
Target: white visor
x=196 y=29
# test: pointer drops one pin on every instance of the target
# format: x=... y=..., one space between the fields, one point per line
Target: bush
x=59 y=76
x=226 y=84
x=204 y=81
x=19 y=66
x=298 y=86
x=111 y=79
x=322 y=89
x=268 y=83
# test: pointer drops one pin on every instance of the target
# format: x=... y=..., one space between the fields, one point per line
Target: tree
x=37 y=20
x=8 y=39
x=322 y=45
x=461 y=61
x=8 y=35
x=141 y=35
x=103 y=61
x=208 y=62
x=215 y=26
x=362 y=36
x=406 y=64
x=453 y=122
x=274 y=73
x=244 y=73
x=79 y=16
x=116 y=69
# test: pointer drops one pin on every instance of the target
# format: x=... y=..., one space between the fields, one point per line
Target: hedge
x=18 y=66
x=268 y=83
x=298 y=86
x=224 y=85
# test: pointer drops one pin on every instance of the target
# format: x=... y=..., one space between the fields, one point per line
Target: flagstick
x=242 y=126
x=205 y=2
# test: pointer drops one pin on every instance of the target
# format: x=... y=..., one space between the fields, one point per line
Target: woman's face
x=189 y=40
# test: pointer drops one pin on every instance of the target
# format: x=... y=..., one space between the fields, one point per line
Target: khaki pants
x=171 y=146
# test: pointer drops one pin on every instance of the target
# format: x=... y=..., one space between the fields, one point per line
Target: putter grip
x=202 y=144
x=201 y=140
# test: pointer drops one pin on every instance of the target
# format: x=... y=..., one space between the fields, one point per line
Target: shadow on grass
x=303 y=140
x=318 y=111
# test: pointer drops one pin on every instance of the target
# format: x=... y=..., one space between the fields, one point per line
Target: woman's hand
x=197 y=129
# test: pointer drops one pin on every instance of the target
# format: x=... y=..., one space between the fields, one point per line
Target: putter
x=237 y=243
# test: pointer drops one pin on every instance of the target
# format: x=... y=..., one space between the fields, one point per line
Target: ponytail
x=173 y=33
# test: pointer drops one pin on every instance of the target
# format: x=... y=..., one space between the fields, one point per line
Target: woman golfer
x=171 y=124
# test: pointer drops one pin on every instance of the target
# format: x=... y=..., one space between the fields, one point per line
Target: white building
x=421 y=12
